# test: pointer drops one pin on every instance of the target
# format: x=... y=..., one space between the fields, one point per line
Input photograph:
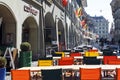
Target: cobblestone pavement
x=8 y=76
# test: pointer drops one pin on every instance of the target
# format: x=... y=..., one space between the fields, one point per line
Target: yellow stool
x=91 y=54
x=45 y=62
x=63 y=53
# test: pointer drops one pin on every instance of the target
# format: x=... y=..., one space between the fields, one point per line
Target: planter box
x=2 y=73
x=25 y=59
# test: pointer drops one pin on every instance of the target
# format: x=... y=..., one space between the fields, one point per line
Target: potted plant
x=25 y=54
x=25 y=46
x=3 y=63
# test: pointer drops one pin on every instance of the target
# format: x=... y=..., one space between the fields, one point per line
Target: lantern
x=64 y=2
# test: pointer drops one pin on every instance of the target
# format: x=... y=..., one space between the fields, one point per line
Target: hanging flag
x=78 y=12
x=83 y=22
x=64 y=2
x=85 y=26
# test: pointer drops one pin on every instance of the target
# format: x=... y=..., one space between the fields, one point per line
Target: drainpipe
x=56 y=25
x=43 y=49
x=65 y=29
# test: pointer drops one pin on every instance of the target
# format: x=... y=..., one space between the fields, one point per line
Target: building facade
x=101 y=26
x=20 y=21
x=115 y=6
x=43 y=23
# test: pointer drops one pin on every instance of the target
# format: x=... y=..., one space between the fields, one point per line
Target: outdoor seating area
x=89 y=57
x=73 y=66
x=59 y=40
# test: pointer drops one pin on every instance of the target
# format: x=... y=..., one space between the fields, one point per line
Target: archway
x=30 y=33
x=7 y=27
x=61 y=36
x=49 y=31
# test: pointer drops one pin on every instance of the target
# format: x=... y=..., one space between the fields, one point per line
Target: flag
x=78 y=12
x=85 y=26
x=83 y=22
x=64 y=2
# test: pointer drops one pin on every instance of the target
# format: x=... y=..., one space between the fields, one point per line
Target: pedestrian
x=48 y=51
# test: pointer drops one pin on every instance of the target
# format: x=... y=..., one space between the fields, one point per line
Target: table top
x=104 y=67
x=81 y=57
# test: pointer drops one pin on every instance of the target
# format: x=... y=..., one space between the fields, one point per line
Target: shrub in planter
x=3 y=62
x=25 y=46
x=25 y=55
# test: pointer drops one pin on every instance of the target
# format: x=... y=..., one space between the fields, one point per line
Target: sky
x=100 y=8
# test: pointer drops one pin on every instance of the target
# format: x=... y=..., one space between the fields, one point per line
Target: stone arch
x=7 y=26
x=61 y=35
x=30 y=33
x=49 y=30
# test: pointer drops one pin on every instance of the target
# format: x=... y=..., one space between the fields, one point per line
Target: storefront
x=19 y=22
x=54 y=26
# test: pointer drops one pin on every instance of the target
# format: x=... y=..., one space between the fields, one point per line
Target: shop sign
x=29 y=9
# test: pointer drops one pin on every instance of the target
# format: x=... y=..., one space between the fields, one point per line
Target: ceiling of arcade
x=6 y=15
x=60 y=25
x=49 y=21
x=30 y=23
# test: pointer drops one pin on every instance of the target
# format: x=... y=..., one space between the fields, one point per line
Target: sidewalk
x=8 y=76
